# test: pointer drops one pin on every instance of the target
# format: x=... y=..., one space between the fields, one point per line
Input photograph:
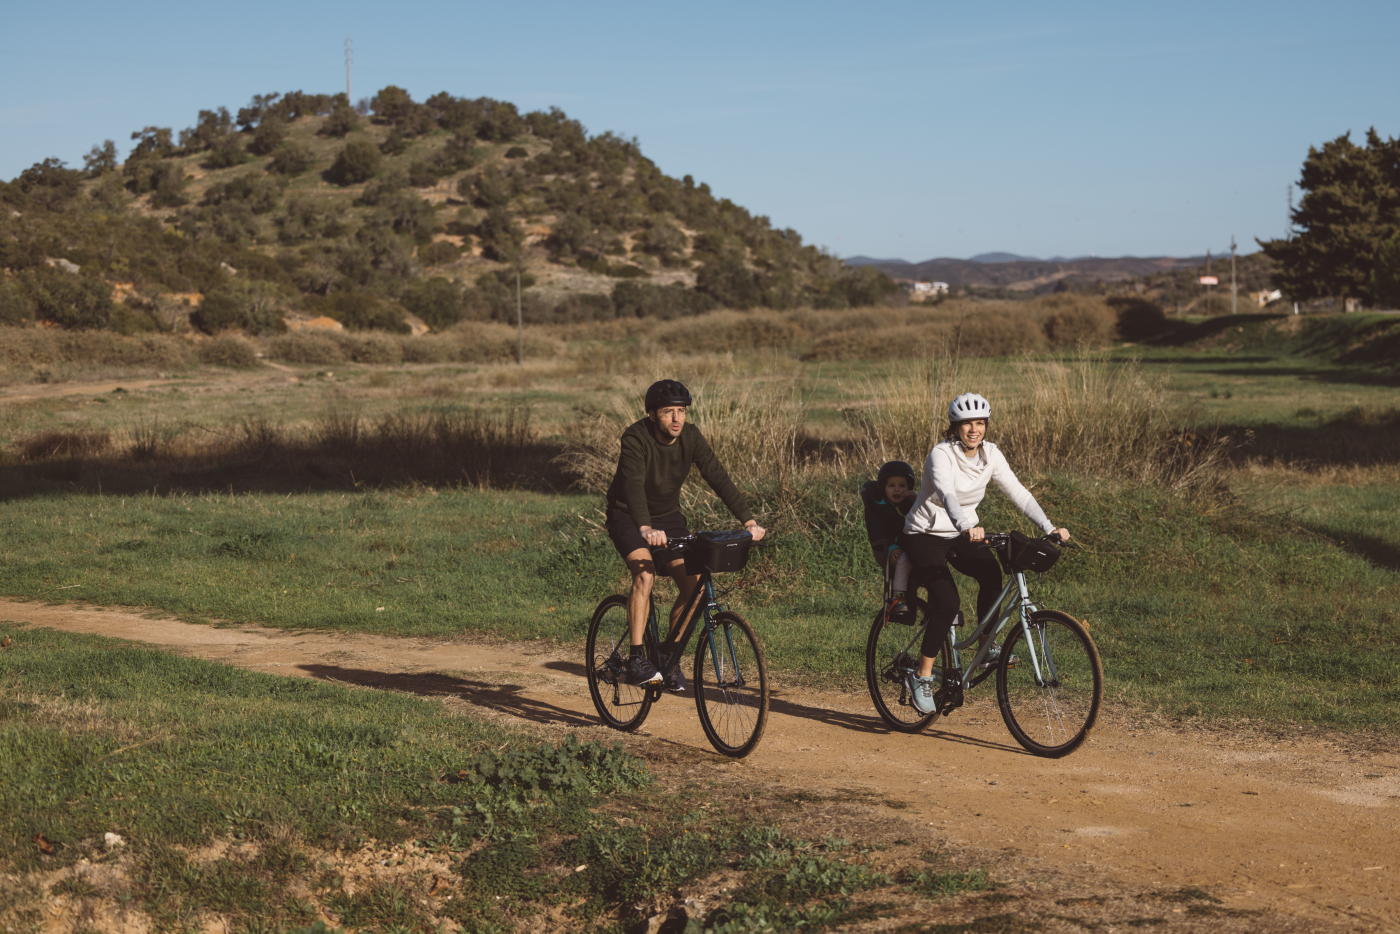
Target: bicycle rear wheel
x=1050 y=715
x=891 y=652
x=622 y=706
x=731 y=685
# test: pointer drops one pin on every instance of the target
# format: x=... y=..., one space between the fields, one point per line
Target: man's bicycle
x=1049 y=679
x=730 y=676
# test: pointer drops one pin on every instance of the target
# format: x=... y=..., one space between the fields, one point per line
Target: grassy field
x=139 y=786
x=1217 y=593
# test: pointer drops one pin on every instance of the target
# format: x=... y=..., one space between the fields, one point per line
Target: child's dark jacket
x=884 y=521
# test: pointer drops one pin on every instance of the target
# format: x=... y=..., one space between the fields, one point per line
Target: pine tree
x=1350 y=207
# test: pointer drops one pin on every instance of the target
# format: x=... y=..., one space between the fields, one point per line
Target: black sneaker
x=900 y=612
x=675 y=681
x=640 y=670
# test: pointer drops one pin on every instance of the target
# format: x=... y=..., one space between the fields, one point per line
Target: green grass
x=1201 y=608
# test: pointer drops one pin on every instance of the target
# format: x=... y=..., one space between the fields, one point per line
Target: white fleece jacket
x=953 y=486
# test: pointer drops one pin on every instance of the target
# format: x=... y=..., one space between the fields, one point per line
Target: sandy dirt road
x=1306 y=826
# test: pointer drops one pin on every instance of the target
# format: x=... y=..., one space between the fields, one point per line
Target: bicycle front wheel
x=1049 y=689
x=891 y=653
x=622 y=706
x=731 y=685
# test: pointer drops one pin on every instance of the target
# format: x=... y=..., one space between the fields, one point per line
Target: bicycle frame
x=701 y=605
x=1014 y=600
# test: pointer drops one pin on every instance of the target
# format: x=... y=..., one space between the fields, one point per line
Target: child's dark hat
x=894 y=469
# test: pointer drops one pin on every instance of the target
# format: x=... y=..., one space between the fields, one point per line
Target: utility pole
x=519 y=320
x=1234 y=292
x=348 y=99
x=1209 y=293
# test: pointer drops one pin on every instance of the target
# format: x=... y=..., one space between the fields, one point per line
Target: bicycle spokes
x=1051 y=702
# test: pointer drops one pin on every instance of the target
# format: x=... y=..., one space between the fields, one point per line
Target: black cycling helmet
x=893 y=469
x=666 y=392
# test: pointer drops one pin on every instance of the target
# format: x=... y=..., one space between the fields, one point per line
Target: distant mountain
x=1030 y=275
x=1002 y=258
x=869 y=261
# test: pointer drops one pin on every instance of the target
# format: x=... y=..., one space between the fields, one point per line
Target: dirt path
x=1305 y=826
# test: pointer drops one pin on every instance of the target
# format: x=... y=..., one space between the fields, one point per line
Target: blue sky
x=907 y=130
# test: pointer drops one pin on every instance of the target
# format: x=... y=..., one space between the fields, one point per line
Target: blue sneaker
x=994 y=656
x=921 y=692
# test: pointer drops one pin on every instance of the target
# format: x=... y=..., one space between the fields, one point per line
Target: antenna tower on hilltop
x=348 y=59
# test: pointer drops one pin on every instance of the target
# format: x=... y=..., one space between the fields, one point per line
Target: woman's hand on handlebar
x=1063 y=534
x=976 y=535
x=754 y=529
x=654 y=537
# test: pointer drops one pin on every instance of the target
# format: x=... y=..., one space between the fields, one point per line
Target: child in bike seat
x=887 y=500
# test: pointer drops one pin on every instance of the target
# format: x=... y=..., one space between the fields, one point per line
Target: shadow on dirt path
x=1279 y=820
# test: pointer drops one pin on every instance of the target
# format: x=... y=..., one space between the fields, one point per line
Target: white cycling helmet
x=969 y=405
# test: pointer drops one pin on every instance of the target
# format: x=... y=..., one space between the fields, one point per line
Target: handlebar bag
x=1024 y=553
x=717 y=552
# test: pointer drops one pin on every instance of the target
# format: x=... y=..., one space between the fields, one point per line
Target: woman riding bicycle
x=942 y=529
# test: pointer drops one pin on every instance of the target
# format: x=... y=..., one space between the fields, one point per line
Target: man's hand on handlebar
x=654 y=537
x=754 y=529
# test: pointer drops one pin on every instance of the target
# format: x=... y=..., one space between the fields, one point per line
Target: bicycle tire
x=621 y=706
x=731 y=697
x=1052 y=717
x=883 y=648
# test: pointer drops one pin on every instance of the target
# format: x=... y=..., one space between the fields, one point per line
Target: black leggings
x=931 y=556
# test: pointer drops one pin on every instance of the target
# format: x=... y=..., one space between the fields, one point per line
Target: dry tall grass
x=1089 y=416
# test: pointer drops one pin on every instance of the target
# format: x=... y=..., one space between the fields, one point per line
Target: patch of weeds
x=504 y=868
x=75 y=887
x=745 y=918
x=283 y=862
x=384 y=906
x=933 y=884
x=1082 y=900
x=625 y=865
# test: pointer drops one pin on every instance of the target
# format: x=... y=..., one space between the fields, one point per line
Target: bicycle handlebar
x=1001 y=538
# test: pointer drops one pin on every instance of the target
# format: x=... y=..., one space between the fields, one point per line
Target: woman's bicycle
x=730 y=676
x=1049 y=679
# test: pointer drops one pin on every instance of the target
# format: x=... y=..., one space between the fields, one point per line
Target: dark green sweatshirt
x=650 y=474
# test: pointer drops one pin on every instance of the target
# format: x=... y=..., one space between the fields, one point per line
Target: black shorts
x=627 y=537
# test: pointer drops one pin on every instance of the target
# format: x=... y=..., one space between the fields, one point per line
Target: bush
x=360 y=310
x=341 y=121
x=268 y=136
x=229 y=351
x=439 y=252
x=292 y=158
x=307 y=347
x=729 y=332
x=370 y=348
x=1074 y=321
x=643 y=300
x=501 y=236
x=438 y=302
x=356 y=163
x=71 y=301
x=1138 y=318
x=728 y=281
x=517 y=152
x=240 y=303
x=16 y=308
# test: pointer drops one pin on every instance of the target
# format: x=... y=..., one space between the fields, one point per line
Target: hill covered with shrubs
x=301 y=205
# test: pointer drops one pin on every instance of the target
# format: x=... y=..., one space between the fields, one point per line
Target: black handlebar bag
x=718 y=552
x=1024 y=553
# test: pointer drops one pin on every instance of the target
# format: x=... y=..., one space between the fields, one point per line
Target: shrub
x=438 y=302
x=50 y=444
x=360 y=310
x=16 y=308
x=356 y=163
x=227 y=152
x=1074 y=321
x=240 y=303
x=1138 y=318
x=584 y=307
x=307 y=347
x=517 y=152
x=292 y=158
x=501 y=236
x=439 y=252
x=229 y=351
x=341 y=121
x=728 y=281
x=643 y=300
x=267 y=137
x=71 y=301
x=371 y=347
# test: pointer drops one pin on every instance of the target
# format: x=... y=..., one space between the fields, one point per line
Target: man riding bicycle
x=643 y=509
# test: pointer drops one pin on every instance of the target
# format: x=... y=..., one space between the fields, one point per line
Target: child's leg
x=902 y=568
